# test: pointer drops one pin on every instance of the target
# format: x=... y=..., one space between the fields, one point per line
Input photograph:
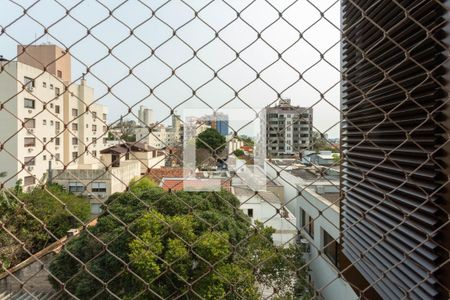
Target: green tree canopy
x=180 y=245
x=22 y=214
x=211 y=139
x=238 y=152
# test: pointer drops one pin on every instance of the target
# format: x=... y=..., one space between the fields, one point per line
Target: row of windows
x=96 y=187
x=31 y=103
x=329 y=244
x=31 y=141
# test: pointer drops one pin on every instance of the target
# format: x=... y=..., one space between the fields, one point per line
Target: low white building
x=323 y=158
x=233 y=143
x=154 y=136
x=266 y=207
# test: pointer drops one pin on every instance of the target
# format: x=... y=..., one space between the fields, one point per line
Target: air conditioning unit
x=101 y=195
x=30 y=168
x=30 y=149
x=30 y=88
x=30 y=130
x=30 y=111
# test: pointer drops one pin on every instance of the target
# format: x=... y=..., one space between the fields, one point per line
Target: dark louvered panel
x=394 y=213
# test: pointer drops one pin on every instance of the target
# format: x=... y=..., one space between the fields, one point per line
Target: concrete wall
x=50 y=56
x=323 y=273
x=121 y=177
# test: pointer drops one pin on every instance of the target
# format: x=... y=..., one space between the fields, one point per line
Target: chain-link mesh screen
x=224 y=149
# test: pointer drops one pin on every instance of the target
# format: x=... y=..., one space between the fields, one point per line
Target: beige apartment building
x=46 y=118
x=125 y=162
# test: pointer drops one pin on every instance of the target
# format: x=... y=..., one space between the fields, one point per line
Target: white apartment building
x=43 y=123
x=317 y=216
x=157 y=138
x=160 y=136
x=288 y=129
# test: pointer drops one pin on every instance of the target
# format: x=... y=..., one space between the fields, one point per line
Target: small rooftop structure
x=127 y=147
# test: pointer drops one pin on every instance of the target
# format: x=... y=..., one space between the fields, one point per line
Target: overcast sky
x=152 y=52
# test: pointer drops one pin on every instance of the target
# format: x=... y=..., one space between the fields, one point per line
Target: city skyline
x=105 y=70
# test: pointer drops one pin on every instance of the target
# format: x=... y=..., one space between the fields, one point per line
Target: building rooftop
x=127 y=147
x=242 y=191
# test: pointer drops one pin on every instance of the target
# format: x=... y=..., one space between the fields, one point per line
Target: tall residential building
x=51 y=58
x=395 y=228
x=288 y=129
x=42 y=122
x=219 y=121
x=145 y=116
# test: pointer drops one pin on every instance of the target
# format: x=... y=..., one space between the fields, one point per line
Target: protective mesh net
x=223 y=149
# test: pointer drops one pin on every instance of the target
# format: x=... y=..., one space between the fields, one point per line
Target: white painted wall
x=323 y=273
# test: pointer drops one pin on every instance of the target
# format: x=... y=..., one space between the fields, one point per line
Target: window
x=310 y=226
x=29 y=142
x=44 y=157
x=57 y=141
x=74 y=141
x=29 y=103
x=105 y=128
x=302 y=218
x=94 y=128
x=44 y=122
x=29 y=180
x=74 y=112
x=44 y=84
x=99 y=187
x=51 y=86
x=30 y=123
x=94 y=153
x=28 y=82
x=74 y=155
x=76 y=187
x=57 y=156
x=59 y=73
x=29 y=161
x=57 y=109
x=330 y=247
x=94 y=114
x=94 y=140
x=307 y=222
x=74 y=126
x=250 y=212
x=57 y=125
x=57 y=92
x=104 y=117
x=51 y=122
x=105 y=140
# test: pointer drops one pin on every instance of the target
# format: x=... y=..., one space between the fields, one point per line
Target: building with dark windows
x=288 y=129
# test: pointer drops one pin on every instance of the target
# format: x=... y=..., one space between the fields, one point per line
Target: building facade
x=47 y=121
x=145 y=116
x=313 y=200
x=288 y=129
x=116 y=167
